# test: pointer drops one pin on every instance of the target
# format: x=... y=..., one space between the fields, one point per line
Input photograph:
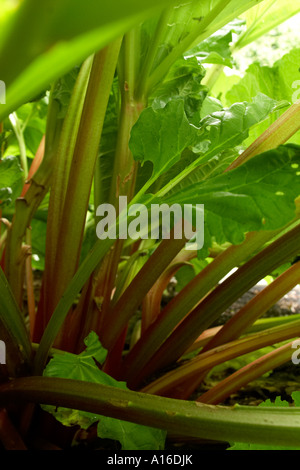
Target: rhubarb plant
x=109 y=117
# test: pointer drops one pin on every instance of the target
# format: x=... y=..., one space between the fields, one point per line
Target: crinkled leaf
x=222 y=137
x=5 y=196
x=81 y=366
x=94 y=348
x=63 y=90
x=84 y=367
x=161 y=135
x=279 y=82
x=217 y=48
x=230 y=127
x=275 y=82
x=278 y=402
x=11 y=179
x=131 y=436
x=183 y=82
x=210 y=105
x=258 y=195
x=296 y=398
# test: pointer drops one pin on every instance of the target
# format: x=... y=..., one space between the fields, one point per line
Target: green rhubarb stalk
x=259 y=325
x=157 y=39
x=281 y=426
x=277 y=134
x=248 y=373
x=191 y=370
x=124 y=170
x=13 y=331
x=160 y=348
x=22 y=146
x=133 y=296
x=191 y=294
x=242 y=320
x=199 y=33
x=82 y=168
x=152 y=302
x=65 y=303
x=26 y=206
x=61 y=172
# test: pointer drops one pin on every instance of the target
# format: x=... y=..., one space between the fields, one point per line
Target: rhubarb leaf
x=11 y=180
x=217 y=48
x=38 y=45
x=85 y=366
x=32 y=117
x=132 y=436
x=229 y=127
x=276 y=81
x=183 y=82
x=258 y=195
x=264 y=17
x=161 y=135
x=280 y=82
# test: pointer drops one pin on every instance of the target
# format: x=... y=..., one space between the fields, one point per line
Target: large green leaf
x=83 y=367
x=229 y=127
x=216 y=49
x=264 y=17
x=40 y=42
x=32 y=119
x=279 y=82
x=188 y=25
x=161 y=135
x=183 y=82
x=275 y=82
x=11 y=180
x=258 y=195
